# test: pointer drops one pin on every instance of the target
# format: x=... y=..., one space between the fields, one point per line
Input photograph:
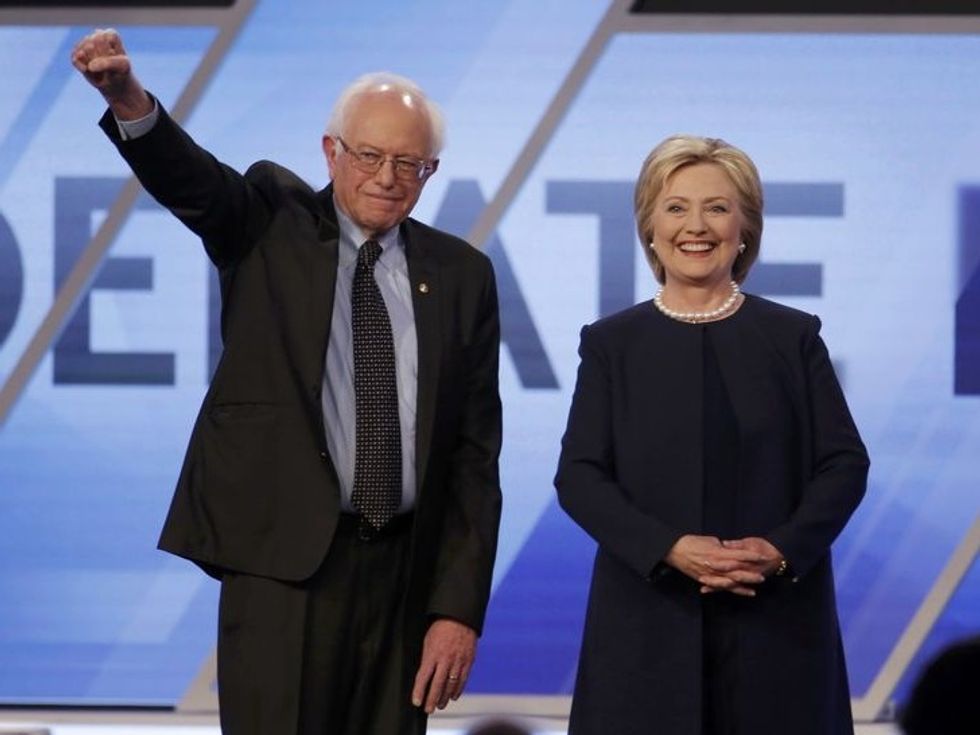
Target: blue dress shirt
x=339 y=416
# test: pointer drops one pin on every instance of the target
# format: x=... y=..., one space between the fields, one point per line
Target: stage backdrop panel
x=868 y=145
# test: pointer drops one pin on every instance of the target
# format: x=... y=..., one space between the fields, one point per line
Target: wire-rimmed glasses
x=370 y=161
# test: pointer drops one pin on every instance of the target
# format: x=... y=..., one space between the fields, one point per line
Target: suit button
x=323 y=456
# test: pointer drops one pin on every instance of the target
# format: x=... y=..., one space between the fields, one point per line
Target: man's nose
x=386 y=174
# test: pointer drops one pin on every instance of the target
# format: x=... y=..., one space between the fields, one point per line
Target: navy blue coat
x=630 y=474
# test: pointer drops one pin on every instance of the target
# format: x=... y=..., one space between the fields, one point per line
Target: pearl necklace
x=696 y=317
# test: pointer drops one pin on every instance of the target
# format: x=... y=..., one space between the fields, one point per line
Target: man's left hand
x=447 y=655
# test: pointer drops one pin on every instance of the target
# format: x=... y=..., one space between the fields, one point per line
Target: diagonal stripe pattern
x=377 y=459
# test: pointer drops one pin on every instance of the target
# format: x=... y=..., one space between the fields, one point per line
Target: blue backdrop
x=868 y=145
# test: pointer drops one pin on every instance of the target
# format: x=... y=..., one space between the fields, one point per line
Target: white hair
x=384 y=81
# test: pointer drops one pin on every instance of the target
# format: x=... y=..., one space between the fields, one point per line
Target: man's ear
x=330 y=152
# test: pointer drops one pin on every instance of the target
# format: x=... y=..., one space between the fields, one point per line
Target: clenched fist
x=102 y=60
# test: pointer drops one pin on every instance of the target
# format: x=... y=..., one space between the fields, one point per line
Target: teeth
x=696 y=247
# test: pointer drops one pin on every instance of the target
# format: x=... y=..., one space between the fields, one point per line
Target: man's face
x=393 y=125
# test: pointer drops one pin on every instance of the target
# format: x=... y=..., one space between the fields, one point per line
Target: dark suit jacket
x=631 y=475
x=258 y=493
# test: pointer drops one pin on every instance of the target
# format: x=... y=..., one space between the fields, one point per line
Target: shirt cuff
x=132 y=129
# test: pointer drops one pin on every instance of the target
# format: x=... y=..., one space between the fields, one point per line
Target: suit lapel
x=322 y=284
x=423 y=275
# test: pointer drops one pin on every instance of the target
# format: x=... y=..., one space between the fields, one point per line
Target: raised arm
x=226 y=210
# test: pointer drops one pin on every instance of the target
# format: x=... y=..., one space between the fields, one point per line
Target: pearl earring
x=741 y=248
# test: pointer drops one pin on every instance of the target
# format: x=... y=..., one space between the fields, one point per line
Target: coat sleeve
x=464 y=565
x=586 y=479
x=223 y=207
x=839 y=465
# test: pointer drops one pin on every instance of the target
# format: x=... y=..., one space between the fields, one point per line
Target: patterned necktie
x=378 y=447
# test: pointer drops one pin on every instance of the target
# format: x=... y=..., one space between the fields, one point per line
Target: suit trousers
x=325 y=656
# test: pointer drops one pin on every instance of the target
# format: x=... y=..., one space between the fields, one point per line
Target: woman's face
x=697 y=225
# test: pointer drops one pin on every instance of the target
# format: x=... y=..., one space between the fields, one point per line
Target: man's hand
x=447 y=655
x=102 y=60
x=718 y=566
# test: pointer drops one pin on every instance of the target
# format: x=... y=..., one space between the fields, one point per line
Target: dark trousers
x=326 y=656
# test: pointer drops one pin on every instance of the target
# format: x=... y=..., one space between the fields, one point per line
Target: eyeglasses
x=405 y=167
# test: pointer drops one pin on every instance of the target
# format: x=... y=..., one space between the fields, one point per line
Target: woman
x=711 y=454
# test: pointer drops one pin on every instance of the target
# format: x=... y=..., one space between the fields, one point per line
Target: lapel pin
x=423 y=287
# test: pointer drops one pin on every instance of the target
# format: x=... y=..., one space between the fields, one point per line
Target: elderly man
x=341 y=479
